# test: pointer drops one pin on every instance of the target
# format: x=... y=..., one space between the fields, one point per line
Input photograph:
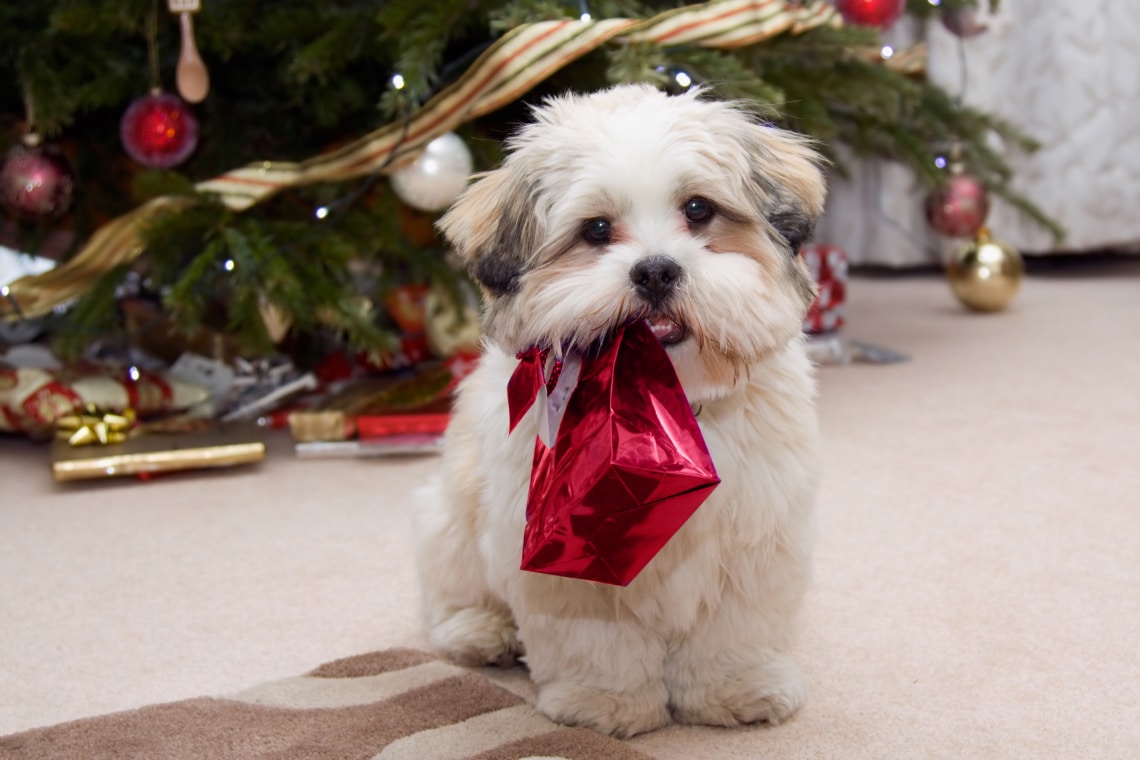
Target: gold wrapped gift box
x=149 y=454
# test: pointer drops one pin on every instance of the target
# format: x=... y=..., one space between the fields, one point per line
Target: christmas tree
x=286 y=208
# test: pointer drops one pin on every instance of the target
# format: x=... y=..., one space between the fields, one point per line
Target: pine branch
x=518 y=12
x=420 y=34
x=731 y=77
x=641 y=62
x=94 y=316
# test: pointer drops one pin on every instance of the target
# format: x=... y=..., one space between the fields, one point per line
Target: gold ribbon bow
x=93 y=425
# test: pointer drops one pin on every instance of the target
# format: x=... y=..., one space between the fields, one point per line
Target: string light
x=887 y=52
x=229 y=265
x=398 y=81
x=940 y=162
x=326 y=211
x=683 y=79
x=133 y=373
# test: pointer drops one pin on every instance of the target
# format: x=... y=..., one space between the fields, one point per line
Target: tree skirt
x=392 y=705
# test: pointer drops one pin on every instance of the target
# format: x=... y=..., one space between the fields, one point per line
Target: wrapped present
x=34 y=399
x=262 y=385
x=409 y=445
x=828 y=267
x=308 y=425
x=416 y=404
x=144 y=453
x=380 y=426
x=619 y=463
x=410 y=350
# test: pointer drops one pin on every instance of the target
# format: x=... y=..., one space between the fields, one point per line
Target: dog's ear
x=493 y=229
x=788 y=182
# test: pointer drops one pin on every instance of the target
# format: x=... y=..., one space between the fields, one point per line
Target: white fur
x=702 y=634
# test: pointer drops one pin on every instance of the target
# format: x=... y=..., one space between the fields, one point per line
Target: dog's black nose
x=655 y=277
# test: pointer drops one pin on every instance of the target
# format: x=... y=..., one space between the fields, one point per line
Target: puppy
x=622 y=205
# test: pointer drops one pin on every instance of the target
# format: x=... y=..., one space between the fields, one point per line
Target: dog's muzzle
x=655 y=278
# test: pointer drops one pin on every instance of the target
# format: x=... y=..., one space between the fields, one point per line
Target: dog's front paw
x=477 y=636
x=767 y=693
x=620 y=714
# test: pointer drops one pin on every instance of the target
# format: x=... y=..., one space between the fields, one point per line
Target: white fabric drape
x=1068 y=73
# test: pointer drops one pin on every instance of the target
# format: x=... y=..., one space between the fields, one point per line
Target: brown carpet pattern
x=399 y=704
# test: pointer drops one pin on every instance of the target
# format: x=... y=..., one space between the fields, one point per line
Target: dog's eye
x=598 y=231
x=698 y=210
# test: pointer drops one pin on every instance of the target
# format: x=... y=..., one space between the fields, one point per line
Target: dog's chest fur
x=762 y=441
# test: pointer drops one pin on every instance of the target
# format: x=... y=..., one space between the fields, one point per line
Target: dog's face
x=631 y=204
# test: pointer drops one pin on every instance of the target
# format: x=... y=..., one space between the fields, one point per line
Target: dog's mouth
x=666 y=329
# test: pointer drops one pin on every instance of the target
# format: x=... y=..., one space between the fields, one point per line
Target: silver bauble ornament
x=435 y=179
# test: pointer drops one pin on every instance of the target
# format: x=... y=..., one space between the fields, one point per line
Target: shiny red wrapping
x=627 y=468
x=828 y=267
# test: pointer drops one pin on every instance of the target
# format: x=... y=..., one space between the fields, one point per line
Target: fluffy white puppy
x=620 y=205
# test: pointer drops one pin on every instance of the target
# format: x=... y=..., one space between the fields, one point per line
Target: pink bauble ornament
x=159 y=130
x=36 y=180
x=959 y=207
x=878 y=13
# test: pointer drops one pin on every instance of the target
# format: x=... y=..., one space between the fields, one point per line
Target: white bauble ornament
x=437 y=177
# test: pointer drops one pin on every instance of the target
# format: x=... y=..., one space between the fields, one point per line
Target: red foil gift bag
x=627 y=465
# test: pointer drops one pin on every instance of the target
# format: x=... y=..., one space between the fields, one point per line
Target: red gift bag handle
x=522 y=388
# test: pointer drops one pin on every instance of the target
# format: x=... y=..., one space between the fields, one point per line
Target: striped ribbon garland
x=515 y=63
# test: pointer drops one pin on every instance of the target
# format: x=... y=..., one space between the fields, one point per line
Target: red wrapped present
x=626 y=464
x=32 y=400
x=828 y=266
x=379 y=426
x=371 y=407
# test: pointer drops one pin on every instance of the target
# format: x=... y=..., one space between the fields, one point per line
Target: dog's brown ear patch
x=788 y=183
x=504 y=258
x=494 y=230
x=793 y=225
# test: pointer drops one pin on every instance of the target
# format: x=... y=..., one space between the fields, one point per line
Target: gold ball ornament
x=985 y=273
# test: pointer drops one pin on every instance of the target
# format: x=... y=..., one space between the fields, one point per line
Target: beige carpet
x=978 y=575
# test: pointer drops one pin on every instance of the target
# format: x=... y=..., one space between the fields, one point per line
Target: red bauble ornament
x=959 y=207
x=880 y=13
x=159 y=130
x=36 y=181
